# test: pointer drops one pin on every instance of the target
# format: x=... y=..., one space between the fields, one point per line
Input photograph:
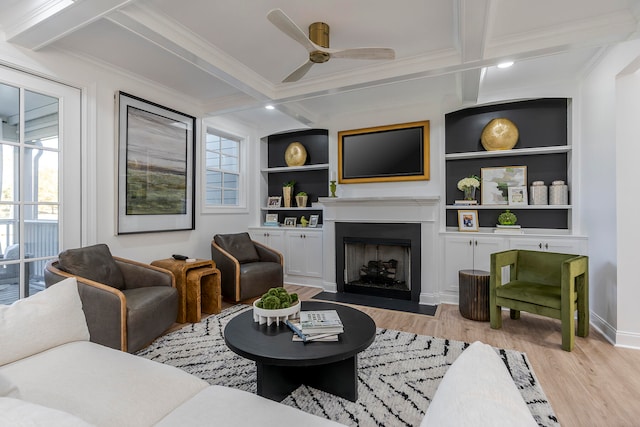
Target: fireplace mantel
x=399 y=201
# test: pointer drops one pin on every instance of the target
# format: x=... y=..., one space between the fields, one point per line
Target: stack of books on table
x=321 y=325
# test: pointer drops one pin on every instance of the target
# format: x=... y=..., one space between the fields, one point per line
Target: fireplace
x=378 y=259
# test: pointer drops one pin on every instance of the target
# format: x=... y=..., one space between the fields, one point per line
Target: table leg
x=338 y=378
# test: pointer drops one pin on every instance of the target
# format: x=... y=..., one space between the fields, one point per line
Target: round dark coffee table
x=283 y=365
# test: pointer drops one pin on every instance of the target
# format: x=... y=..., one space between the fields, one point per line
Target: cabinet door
x=295 y=261
x=458 y=255
x=304 y=254
x=483 y=248
x=313 y=251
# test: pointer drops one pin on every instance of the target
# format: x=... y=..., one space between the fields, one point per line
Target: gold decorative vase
x=286 y=196
x=499 y=134
x=295 y=155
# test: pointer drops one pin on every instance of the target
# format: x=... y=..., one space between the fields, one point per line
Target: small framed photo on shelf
x=468 y=220
x=271 y=219
x=313 y=220
x=274 y=201
x=517 y=195
x=290 y=221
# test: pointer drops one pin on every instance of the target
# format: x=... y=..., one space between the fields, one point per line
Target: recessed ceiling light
x=505 y=64
x=269 y=107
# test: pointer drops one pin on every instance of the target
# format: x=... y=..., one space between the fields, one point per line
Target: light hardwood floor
x=596 y=384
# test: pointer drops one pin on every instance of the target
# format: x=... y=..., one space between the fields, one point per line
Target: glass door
x=40 y=126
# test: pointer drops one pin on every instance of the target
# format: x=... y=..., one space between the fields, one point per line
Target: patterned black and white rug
x=398 y=374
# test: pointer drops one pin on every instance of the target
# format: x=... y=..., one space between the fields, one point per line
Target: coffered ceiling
x=227 y=56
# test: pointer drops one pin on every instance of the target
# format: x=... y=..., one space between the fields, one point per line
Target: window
x=222 y=170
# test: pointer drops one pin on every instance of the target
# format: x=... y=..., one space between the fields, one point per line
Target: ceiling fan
x=317 y=44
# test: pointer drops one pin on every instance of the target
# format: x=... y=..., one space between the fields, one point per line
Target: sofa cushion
x=47 y=319
x=103 y=386
x=8 y=388
x=94 y=263
x=239 y=245
x=238 y=408
x=19 y=413
x=478 y=391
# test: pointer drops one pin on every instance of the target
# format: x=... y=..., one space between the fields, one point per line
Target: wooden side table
x=473 y=294
x=198 y=285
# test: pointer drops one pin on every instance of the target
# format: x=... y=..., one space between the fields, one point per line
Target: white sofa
x=52 y=375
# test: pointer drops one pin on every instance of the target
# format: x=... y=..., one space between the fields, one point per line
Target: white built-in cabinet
x=301 y=248
x=566 y=245
x=304 y=253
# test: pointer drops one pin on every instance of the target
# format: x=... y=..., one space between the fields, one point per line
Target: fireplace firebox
x=378 y=259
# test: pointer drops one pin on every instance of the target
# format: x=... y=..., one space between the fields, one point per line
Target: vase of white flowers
x=468 y=186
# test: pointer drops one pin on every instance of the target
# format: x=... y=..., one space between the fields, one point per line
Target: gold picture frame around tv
x=397 y=152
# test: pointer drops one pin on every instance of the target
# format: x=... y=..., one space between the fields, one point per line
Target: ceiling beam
x=48 y=24
x=166 y=34
x=471 y=25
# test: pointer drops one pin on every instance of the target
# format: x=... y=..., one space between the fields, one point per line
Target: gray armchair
x=127 y=304
x=247 y=268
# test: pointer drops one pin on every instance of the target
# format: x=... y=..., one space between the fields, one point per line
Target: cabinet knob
x=476 y=242
x=546 y=246
x=540 y=245
x=470 y=242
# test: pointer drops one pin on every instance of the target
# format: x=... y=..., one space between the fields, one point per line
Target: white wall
x=627 y=206
x=99 y=203
x=610 y=151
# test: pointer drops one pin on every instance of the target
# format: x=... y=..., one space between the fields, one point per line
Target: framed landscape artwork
x=155 y=167
x=495 y=183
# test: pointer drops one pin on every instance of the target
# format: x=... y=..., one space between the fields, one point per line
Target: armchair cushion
x=92 y=262
x=546 y=295
x=59 y=320
x=239 y=245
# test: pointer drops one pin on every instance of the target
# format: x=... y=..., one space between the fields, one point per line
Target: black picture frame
x=156 y=174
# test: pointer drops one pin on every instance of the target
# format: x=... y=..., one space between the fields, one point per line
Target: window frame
x=241 y=207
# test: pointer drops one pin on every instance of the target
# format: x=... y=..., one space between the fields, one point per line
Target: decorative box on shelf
x=263 y=315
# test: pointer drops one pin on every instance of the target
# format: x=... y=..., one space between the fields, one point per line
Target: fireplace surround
x=379 y=259
x=421 y=211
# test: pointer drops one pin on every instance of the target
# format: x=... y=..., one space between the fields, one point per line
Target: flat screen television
x=384 y=153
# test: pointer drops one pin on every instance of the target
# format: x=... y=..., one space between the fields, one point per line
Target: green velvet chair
x=545 y=283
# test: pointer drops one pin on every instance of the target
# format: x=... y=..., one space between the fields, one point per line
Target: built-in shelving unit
x=543 y=147
x=312 y=177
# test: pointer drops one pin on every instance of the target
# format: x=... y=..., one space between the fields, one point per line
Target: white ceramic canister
x=558 y=193
x=538 y=193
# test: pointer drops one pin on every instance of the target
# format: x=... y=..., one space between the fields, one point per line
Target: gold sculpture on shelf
x=295 y=155
x=499 y=134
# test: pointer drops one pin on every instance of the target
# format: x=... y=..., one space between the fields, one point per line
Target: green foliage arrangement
x=289 y=183
x=301 y=193
x=277 y=298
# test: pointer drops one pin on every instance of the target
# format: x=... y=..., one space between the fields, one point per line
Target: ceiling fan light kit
x=317 y=45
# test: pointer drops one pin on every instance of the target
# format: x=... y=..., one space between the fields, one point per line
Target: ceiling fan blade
x=298 y=73
x=287 y=26
x=364 y=53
